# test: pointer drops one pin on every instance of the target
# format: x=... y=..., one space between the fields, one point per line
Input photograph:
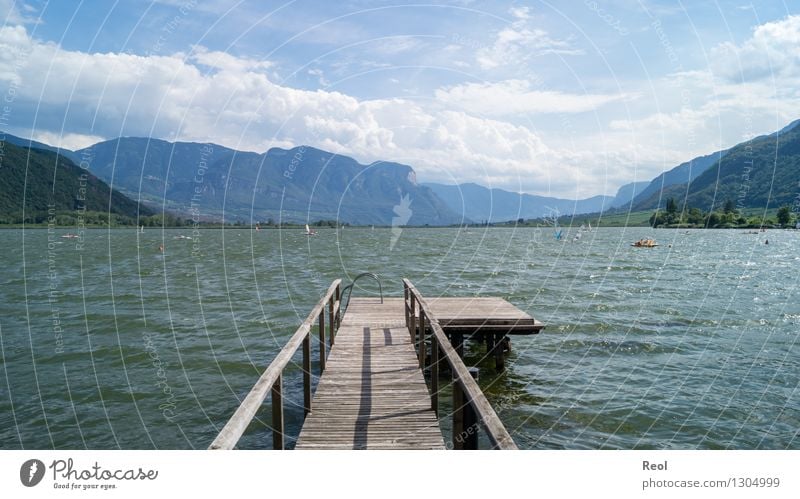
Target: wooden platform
x=482 y=314
x=372 y=394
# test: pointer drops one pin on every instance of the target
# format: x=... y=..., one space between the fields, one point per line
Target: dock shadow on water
x=117 y=345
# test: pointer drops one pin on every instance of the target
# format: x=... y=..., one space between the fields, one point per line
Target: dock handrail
x=470 y=406
x=349 y=290
x=271 y=381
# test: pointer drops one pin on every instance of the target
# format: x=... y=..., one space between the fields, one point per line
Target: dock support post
x=458 y=344
x=322 y=340
x=306 y=375
x=497 y=346
x=277 y=413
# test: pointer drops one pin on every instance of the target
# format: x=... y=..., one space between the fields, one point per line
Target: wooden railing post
x=331 y=320
x=470 y=428
x=458 y=414
x=338 y=299
x=434 y=375
x=306 y=375
x=277 y=413
x=322 y=339
x=422 y=320
x=412 y=323
x=405 y=301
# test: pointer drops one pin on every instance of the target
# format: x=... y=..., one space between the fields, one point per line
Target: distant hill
x=763 y=172
x=496 y=205
x=38 y=180
x=759 y=173
x=19 y=141
x=294 y=185
x=654 y=193
x=627 y=193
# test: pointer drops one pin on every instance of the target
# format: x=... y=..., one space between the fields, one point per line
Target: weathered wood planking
x=372 y=394
x=475 y=314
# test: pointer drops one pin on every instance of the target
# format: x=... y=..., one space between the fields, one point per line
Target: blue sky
x=558 y=98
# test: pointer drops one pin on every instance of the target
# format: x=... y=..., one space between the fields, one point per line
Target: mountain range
x=760 y=172
x=480 y=204
x=295 y=185
x=212 y=182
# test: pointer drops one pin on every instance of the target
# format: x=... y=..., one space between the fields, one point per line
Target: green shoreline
x=756 y=219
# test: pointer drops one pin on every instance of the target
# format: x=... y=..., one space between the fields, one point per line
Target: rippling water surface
x=108 y=343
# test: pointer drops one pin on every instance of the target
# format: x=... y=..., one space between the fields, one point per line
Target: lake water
x=107 y=343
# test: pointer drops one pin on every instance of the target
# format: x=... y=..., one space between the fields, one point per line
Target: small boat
x=310 y=232
x=644 y=243
x=182 y=237
x=70 y=236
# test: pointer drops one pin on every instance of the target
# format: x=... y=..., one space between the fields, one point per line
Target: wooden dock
x=372 y=391
x=372 y=394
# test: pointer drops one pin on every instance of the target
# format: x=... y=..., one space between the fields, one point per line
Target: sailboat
x=310 y=232
x=141 y=229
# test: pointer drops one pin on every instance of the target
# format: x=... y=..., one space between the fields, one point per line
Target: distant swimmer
x=766 y=242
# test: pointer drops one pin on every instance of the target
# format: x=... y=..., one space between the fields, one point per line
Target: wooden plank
x=482 y=313
x=372 y=394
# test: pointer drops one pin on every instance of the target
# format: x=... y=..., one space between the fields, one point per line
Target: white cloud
x=71 y=141
x=320 y=76
x=512 y=97
x=517 y=43
x=209 y=96
x=773 y=50
x=225 y=61
x=521 y=13
x=16 y=12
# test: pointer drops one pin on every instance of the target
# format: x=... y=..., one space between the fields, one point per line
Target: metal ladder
x=348 y=290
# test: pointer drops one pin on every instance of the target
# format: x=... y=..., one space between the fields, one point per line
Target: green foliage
x=672 y=207
x=43 y=187
x=729 y=207
x=784 y=215
x=696 y=218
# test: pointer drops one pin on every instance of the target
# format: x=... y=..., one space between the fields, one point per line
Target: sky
x=569 y=99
